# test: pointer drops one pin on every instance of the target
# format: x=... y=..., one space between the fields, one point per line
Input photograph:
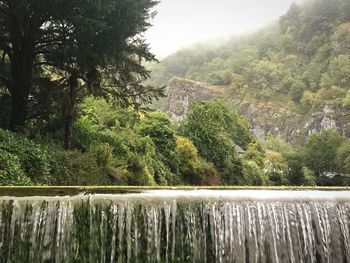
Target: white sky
x=183 y=22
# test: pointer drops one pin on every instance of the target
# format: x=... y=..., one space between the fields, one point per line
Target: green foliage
x=252 y=174
x=11 y=172
x=297 y=91
x=255 y=153
x=215 y=123
x=276 y=168
x=212 y=123
x=33 y=158
x=143 y=146
x=309 y=177
x=76 y=168
x=320 y=150
x=25 y=162
x=338 y=74
x=193 y=169
x=346 y=100
x=343 y=157
x=303 y=58
x=137 y=172
x=277 y=144
x=322 y=155
x=156 y=125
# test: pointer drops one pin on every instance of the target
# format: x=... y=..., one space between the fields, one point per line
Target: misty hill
x=298 y=67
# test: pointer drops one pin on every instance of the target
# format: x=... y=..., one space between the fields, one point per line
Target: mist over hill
x=290 y=78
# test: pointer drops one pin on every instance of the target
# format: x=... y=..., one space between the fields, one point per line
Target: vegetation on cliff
x=303 y=58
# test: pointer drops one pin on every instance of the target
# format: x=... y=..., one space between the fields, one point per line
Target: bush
x=148 y=142
x=215 y=129
x=297 y=91
x=76 y=168
x=192 y=169
x=321 y=150
x=343 y=157
x=276 y=168
x=138 y=174
x=205 y=174
x=11 y=172
x=309 y=176
x=33 y=158
x=252 y=174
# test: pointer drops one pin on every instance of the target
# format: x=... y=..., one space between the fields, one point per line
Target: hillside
x=289 y=78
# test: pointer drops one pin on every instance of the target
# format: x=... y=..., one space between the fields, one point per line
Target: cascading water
x=178 y=226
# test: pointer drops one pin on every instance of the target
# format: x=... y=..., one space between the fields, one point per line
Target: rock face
x=294 y=127
x=265 y=116
x=180 y=93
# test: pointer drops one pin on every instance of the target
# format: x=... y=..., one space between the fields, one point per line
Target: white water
x=178 y=226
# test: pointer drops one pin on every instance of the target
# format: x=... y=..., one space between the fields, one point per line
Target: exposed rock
x=239 y=150
x=182 y=92
x=259 y=133
x=292 y=126
x=265 y=116
x=341 y=39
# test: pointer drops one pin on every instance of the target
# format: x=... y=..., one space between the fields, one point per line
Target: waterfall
x=177 y=226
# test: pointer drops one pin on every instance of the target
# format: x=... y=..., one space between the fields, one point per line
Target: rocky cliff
x=180 y=93
x=274 y=117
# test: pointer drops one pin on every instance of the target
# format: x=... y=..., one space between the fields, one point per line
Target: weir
x=204 y=226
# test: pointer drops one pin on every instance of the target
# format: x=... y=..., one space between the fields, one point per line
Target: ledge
x=76 y=190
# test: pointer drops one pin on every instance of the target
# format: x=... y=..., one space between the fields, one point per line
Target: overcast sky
x=183 y=22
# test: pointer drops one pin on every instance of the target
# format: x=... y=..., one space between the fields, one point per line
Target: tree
x=105 y=50
x=213 y=122
x=192 y=169
x=276 y=168
x=215 y=129
x=320 y=151
x=338 y=73
x=157 y=126
x=297 y=91
x=82 y=39
x=26 y=27
x=343 y=157
x=290 y=21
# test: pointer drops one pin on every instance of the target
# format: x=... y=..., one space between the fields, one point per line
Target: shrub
x=252 y=174
x=11 y=172
x=309 y=176
x=343 y=157
x=76 y=168
x=276 y=168
x=205 y=174
x=138 y=174
x=193 y=170
x=215 y=129
x=33 y=158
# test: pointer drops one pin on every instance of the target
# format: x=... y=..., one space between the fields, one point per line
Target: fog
x=183 y=22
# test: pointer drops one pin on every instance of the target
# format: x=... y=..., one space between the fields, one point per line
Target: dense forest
x=75 y=98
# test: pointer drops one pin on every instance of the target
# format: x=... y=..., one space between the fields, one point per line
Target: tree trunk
x=21 y=82
x=69 y=112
